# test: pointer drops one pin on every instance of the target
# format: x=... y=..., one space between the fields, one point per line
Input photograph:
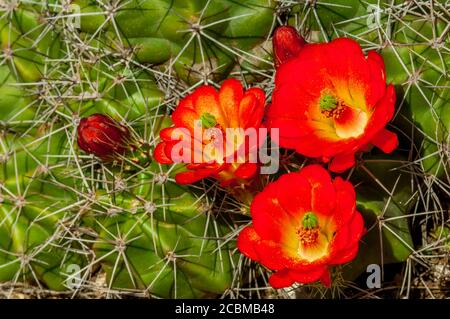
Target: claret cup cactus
x=350 y=99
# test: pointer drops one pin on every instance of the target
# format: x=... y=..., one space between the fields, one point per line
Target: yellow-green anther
x=327 y=102
x=310 y=221
x=208 y=120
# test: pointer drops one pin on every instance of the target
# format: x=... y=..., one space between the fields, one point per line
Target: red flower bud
x=102 y=136
x=287 y=44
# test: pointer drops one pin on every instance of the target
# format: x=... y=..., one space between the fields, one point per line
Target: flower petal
x=306 y=277
x=230 y=95
x=346 y=256
x=246 y=170
x=247 y=108
x=342 y=162
x=246 y=242
x=206 y=100
x=296 y=201
x=184 y=117
x=322 y=188
x=254 y=118
x=345 y=202
x=272 y=255
x=378 y=78
x=270 y=220
x=351 y=124
x=384 y=110
x=192 y=177
x=281 y=279
x=160 y=155
x=346 y=238
x=385 y=140
x=325 y=279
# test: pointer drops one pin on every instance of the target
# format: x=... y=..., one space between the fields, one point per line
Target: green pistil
x=208 y=120
x=310 y=221
x=327 y=102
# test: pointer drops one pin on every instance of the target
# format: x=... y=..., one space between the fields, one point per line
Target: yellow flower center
x=308 y=237
x=331 y=107
x=308 y=233
x=312 y=242
x=347 y=121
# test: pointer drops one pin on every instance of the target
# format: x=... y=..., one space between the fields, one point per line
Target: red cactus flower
x=213 y=112
x=287 y=44
x=301 y=231
x=100 y=135
x=331 y=101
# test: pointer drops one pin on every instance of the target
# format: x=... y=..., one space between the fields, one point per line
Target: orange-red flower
x=331 y=101
x=214 y=153
x=303 y=223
